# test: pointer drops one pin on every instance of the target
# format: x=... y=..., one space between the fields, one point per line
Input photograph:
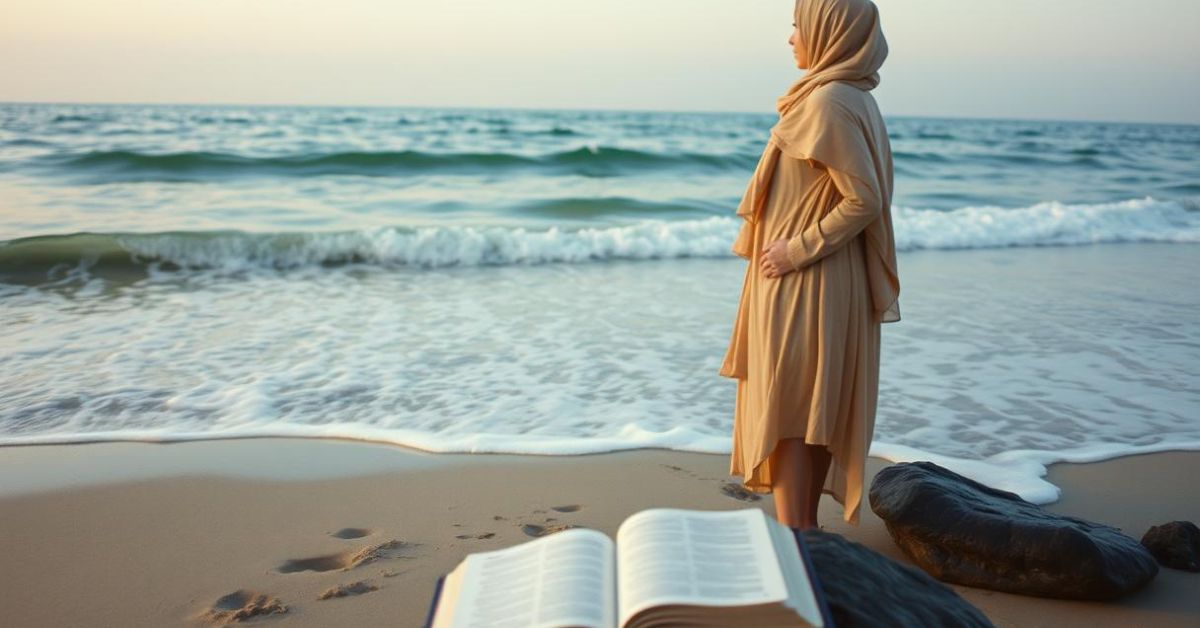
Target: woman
x=822 y=276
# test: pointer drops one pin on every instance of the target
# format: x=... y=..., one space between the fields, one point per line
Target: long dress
x=805 y=346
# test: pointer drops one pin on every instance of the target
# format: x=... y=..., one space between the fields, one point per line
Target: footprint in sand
x=549 y=525
x=533 y=529
x=348 y=559
x=678 y=469
x=689 y=473
x=485 y=535
x=352 y=533
x=346 y=590
x=242 y=605
x=739 y=492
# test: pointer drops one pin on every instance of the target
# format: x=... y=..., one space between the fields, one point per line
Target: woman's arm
x=861 y=203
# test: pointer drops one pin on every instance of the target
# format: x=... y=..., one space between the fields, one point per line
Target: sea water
x=560 y=282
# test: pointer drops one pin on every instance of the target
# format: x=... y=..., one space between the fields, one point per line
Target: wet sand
x=320 y=533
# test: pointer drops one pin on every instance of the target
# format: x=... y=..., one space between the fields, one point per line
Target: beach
x=308 y=358
x=155 y=534
x=561 y=281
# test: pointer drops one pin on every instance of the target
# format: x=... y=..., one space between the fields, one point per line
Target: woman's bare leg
x=787 y=466
x=819 y=459
x=799 y=472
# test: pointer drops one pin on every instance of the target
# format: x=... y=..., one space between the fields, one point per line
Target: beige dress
x=805 y=346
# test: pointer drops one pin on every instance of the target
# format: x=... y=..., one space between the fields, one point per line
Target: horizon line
x=982 y=118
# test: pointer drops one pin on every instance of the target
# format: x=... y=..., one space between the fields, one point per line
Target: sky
x=1115 y=60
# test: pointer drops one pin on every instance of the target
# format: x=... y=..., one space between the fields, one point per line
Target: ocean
x=560 y=282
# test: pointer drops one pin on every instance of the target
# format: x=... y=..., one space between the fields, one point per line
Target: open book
x=667 y=567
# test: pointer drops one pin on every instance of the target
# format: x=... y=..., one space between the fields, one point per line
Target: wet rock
x=866 y=588
x=965 y=532
x=1175 y=544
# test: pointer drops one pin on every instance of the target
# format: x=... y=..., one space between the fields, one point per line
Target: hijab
x=839 y=128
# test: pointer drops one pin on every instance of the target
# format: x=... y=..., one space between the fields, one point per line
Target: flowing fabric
x=805 y=346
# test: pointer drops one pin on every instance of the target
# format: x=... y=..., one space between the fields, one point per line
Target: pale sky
x=1136 y=60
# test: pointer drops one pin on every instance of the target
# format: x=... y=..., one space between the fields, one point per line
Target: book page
x=672 y=556
x=802 y=598
x=565 y=579
x=444 y=615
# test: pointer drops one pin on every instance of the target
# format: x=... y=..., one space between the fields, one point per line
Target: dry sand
x=200 y=533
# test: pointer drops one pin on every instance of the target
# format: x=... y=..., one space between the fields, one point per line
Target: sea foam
x=1044 y=224
x=1004 y=361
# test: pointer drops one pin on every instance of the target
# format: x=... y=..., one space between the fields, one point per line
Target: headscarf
x=844 y=42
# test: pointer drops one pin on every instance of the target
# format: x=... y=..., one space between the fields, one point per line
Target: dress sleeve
x=860 y=205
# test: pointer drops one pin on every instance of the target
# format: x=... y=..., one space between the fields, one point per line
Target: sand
x=323 y=533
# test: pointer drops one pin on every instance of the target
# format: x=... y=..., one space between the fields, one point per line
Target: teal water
x=561 y=282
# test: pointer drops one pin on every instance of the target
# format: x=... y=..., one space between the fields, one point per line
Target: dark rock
x=969 y=533
x=1175 y=545
x=865 y=588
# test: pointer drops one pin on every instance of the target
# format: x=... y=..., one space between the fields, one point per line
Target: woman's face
x=798 y=48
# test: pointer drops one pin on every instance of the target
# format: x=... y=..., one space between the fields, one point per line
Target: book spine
x=437 y=594
x=818 y=591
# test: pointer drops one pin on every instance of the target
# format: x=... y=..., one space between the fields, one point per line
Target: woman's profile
x=822 y=273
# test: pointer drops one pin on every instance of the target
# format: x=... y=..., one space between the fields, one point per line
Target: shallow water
x=561 y=282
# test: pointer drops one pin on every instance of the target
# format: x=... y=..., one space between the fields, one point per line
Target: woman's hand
x=774 y=259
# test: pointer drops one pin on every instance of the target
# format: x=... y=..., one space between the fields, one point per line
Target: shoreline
x=215 y=517
x=1038 y=490
x=1058 y=357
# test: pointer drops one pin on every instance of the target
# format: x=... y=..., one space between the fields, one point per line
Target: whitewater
x=557 y=282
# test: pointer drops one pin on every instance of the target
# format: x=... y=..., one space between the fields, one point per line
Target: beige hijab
x=844 y=42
